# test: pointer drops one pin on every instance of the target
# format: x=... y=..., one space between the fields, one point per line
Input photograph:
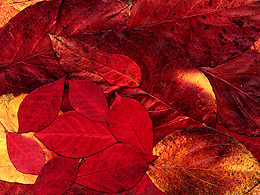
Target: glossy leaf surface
x=130 y=123
x=203 y=160
x=88 y=99
x=25 y=153
x=57 y=176
x=124 y=163
x=80 y=136
x=236 y=85
x=40 y=107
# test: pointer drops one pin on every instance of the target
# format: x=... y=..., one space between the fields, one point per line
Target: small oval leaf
x=73 y=135
x=40 y=107
x=25 y=153
x=130 y=123
x=118 y=70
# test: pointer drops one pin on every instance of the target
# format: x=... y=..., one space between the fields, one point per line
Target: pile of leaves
x=130 y=97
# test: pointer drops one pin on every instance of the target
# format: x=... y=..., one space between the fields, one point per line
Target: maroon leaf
x=118 y=70
x=27 y=60
x=65 y=105
x=236 y=84
x=130 y=123
x=205 y=30
x=56 y=176
x=77 y=189
x=90 y=16
x=88 y=99
x=25 y=153
x=124 y=163
x=40 y=107
x=8 y=188
x=251 y=143
x=73 y=135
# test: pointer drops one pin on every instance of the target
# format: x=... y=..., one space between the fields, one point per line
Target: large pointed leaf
x=90 y=16
x=130 y=123
x=88 y=99
x=203 y=161
x=40 y=107
x=56 y=176
x=27 y=60
x=25 y=153
x=124 y=163
x=205 y=30
x=236 y=85
x=75 y=136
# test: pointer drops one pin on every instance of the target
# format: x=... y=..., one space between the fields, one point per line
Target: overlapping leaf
x=236 y=85
x=40 y=107
x=203 y=160
x=56 y=176
x=73 y=135
x=25 y=153
x=27 y=60
x=124 y=163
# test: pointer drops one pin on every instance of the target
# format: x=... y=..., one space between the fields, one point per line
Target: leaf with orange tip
x=203 y=160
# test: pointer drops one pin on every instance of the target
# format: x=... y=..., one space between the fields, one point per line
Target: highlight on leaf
x=203 y=160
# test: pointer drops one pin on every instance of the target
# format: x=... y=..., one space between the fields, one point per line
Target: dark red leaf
x=73 y=135
x=116 y=169
x=251 y=143
x=56 y=176
x=40 y=107
x=90 y=16
x=27 y=60
x=205 y=30
x=8 y=188
x=77 y=189
x=130 y=123
x=25 y=153
x=236 y=85
x=88 y=99
x=65 y=105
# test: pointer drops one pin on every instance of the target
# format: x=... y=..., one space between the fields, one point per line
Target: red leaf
x=27 y=60
x=236 y=85
x=80 y=136
x=88 y=99
x=8 y=188
x=56 y=176
x=40 y=107
x=205 y=31
x=90 y=16
x=65 y=105
x=118 y=70
x=25 y=153
x=124 y=163
x=130 y=123
x=251 y=143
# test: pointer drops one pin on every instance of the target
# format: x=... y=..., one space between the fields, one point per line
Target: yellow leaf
x=9 y=8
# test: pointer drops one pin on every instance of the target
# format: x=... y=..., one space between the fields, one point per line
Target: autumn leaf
x=15 y=188
x=130 y=123
x=57 y=176
x=124 y=163
x=9 y=8
x=40 y=107
x=25 y=153
x=81 y=136
x=88 y=99
x=203 y=160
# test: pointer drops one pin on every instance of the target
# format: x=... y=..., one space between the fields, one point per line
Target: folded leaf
x=203 y=160
x=130 y=123
x=56 y=176
x=40 y=107
x=124 y=163
x=236 y=85
x=73 y=135
x=209 y=32
x=88 y=99
x=27 y=61
x=25 y=153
